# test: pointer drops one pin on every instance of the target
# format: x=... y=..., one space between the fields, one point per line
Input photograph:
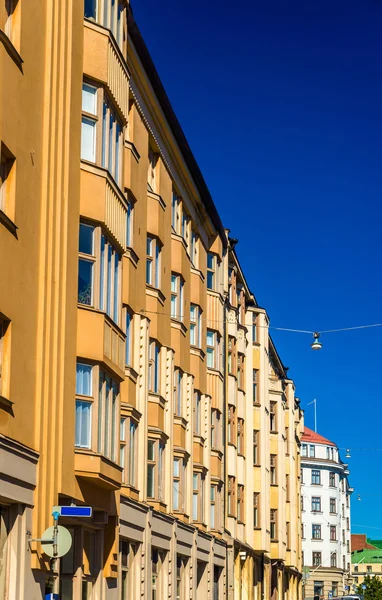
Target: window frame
x=197 y=410
x=155 y=465
x=198 y=482
x=256 y=510
x=195 y=325
x=179 y=478
x=315 y=477
x=240 y=433
x=273 y=469
x=212 y=267
x=153 y=262
x=256 y=447
x=154 y=367
x=273 y=416
x=177 y=297
x=316 y=531
x=273 y=524
x=212 y=349
x=316 y=504
x=178 y=392
x=240 y=512
x=333 y=533
x=316 y=558
x=128 y=449
x=231 y=496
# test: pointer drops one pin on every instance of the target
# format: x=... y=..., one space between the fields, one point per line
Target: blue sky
x=281 y=103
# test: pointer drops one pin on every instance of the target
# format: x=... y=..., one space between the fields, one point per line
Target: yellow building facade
x=121 y=302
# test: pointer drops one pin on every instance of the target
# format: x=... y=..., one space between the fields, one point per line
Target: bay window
x=212 y=349
x=197 y=497
x=178 y=376
x=155 y=450
x=177 y=299
x=195 y=325
x=109 y=14
x=154 y=367
x=97 y=409
x=179 y=468
x=211 y=271
x=84 y=403
x=98 y=255
x=153 y=250
x=107 y=415
x=128 y=449
x=101 y=132
x=175 y=212
x=197 y=412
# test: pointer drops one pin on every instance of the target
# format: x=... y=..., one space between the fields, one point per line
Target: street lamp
x=347 y=455
x=316 y=344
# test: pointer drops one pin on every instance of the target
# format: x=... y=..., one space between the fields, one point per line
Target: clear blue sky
x=281 y=103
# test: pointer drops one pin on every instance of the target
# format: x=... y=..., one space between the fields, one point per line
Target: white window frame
x=83 y=398
x=195 y=325
x=108 y=413
x=177 y=297
x=198 y=482
x=154 y=366
x=128 y=449
x=179 y=480
x=155 y=463
x=212 y=271
x=212 y=348
x=153 y=262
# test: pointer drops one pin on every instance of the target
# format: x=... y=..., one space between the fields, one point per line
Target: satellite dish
x=64 y=541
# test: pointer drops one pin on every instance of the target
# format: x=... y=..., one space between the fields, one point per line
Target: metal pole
x=315 y=415
x=55 y=564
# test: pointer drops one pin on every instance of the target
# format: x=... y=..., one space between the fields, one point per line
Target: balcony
x=97 y=469
x=100 y=340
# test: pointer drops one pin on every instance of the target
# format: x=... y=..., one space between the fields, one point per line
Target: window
x=369 y=569
x=101 y=131
x=302 y=503
x=316 y=532
x=240 y=371
x=312 y=451
x=273 y=469
x=7 y=173
x=108 y=411
x=157 y=561
x=256 y=509
x=211 y=271
x=109 y=13
x=195 y=325
x=332 y=479
x=185 y=227
x=212 y=349
x=177 y=309
x=231 y=496
x=256 y=447
x=194 y=248
x=214 y=507
x=128 y=449
x=302 y=531
x=254 y=328
x=181 y=564
x=347 y=546
x=304 y=450
x=152 y=182
x=316 y=559
x=153 y=253
x=318 y=588
x=316 y=504
x=343 y=511
x=347 y=523
x=175 y=212
x=302 y=475
x=126 y=558
x=231 y=354
x=4 y=324
x=197 y=412
x=273 y=524
x=154 y=366
x=178 y=484
x=129 y=224
x=215 y=428
x=254 y=380
x=334 y=589
x=103 y=258
x=287 y=488
x=333 y=533
x=332 y=504
x=129 y=336
x=316 y=477
x=356 y=568
x=273 y=415
x=343 y=536
x=240 y=503
x=197 y=497
x=231 y=424
x=84 y=402
x=240 y=437
x=155 y=450
x=178 y=374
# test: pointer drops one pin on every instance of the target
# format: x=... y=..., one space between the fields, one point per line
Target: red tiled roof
x=312 y=436
x=359 y=542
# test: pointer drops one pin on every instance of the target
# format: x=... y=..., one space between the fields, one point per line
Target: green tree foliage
x=373 y=588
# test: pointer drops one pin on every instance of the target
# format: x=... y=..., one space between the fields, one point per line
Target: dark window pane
x=90 y=9
x=86 y=239
x=85 y=276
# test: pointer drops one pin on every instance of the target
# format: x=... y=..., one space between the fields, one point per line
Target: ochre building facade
x=137 y=374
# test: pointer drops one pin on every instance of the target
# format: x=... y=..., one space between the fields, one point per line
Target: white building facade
x=325 y=504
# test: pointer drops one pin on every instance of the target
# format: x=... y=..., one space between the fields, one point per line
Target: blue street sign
x=363 y=586
x=347 y=587
x=73 y=511
x=51 y=597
